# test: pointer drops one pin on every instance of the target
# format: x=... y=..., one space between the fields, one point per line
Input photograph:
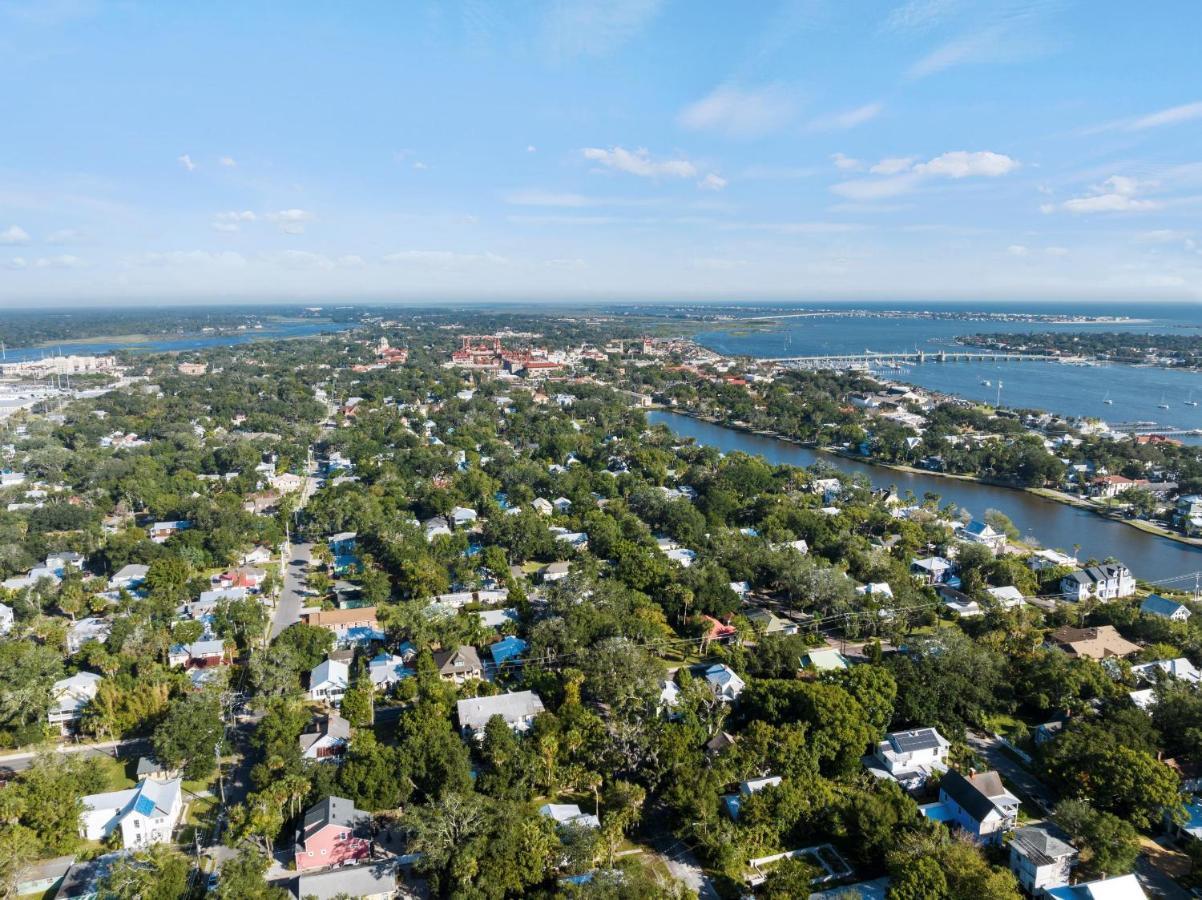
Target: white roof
x=329 y=671
x=475 y=712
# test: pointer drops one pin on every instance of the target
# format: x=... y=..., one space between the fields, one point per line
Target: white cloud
x=228 y=161
x=1116 y=194
x=893 y=165
x=848 y=118
x=846 y=163
x=17 y=262
x=738 y=112
x=639 y=162
x=902 y=176
x=530 y=148
x=918 y=15
x=291 y=221
x=712 y=182
x=14 y=234
x=963 y=164
x=230 y=221
x=444 y=259
x=64 y=236
x=63 y=261
x=1018 y=250
x=1172 y=116
x=186 y=161
x=189 y=258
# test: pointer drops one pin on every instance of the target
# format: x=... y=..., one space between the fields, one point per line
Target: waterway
x=176 y=343
x=1047 y=522
x=1135 y=392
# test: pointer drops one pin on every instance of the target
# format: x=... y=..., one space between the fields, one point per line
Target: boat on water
x=986 y=382
x=1190 y=401
x=1162 y=404
x=1107 y=399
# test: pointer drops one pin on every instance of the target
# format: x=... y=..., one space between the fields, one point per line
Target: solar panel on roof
x=144 y=805
x=909 y=741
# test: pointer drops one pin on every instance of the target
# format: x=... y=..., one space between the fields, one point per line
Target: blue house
x=1164 y=608
x=507 y=649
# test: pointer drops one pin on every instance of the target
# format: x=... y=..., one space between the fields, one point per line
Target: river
x=1051 y=524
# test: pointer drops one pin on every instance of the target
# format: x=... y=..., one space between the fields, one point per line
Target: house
x=458 y=665
x=518 y=710
x=1181 y=669
x=146 y=814
x=81 y=880
x=555 y=570
x=577 y=540
x=768 y=622
x=542 y=507
x=327 y=739
x=1096 y=643
x=1106 y=582
x=734 y=802
x=1040 y=859
x=149 y=767
x=1008 y=597
x=328 y=681
x=436 y=526
x=331 y=833
x=931 y=570
x=463 y=516
x=1156 y=605
x=373 y=881
x=6 y=619
x=723 y=681
x=562 y=505
x=84 y=631
x=568 y=814
x=242 y=577
x=875 y=589
x=986 y=535
x=682 y=555
x=350 y=626
x=129 y=577
x=386 y=670
x=978 y=804
x=1121 y=887
x=957 y=601
x=507 y=649
x=910 y=757
x=160 y=532
x=69 y=697
x=197 y=655
x=825 y=659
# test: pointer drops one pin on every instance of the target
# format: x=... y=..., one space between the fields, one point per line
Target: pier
x=914 y=357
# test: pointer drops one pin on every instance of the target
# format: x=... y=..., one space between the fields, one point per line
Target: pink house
x=332 y=833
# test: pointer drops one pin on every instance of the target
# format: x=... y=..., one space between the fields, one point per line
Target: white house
x=910 y=757
x=327 y=739
x=1156 y=605
x=6 y=619
x=328 y=681
x=129 y=577
x=734 y=802
x=1040 y=860
x=875 y=588
x=980 y=805
x=385 y=670
x=542 y=507
x=1008 y=597
x=84 y=631
x=1121 y=887
x=146 y=814
x=462 y=515
x=568 y=814
x=986 y=535
x=69 y=696
x=682 y=555
x=436 y=526
x=1106 y=582
x=1180 y=668
x=723 y=681
x=562 y=505
x=518 y=710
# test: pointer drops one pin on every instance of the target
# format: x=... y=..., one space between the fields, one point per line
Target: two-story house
x=326 y=738
x=69 y=697
x=459 y=665
x=332 y=833
x=1040 y=859
x=980 y=805
x=518 y=710
x=146 y=814
x=910 y=757
x=328 y=681
x=1109 y=581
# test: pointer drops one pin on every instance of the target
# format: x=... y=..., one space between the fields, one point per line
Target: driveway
x=684 y=866
x=1011 y=770
x=292 y=596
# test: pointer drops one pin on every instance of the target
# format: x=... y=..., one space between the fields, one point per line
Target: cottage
x=768 y=622
x=734 y=802
x=562 y=505
x=931 y=570
x=1096 y=643
x=1040 y=858
x=69 y=697
x=824 y=659
x=986 y=535
x=197 y=655
x=1008 y=597
x=328 y=681
x=1110 y=581
x=568 y=814
x=980 y=805
x=326 y=739
x=459 y=665
x=463 y=516
x=386 y=670
x=910 y=757
x=555 y=571
x=723 y=681
x=506 y=650
x=1181 y=669
x=542 y=507
x=85 y=631
x=145 y=815
x=1162 y=608
x=350 y=626
x=129 y=577
x=242 y=577
x=436 y=526
x=1121 y=887
x=518 y=710
x=331 y=833
x=160 y=532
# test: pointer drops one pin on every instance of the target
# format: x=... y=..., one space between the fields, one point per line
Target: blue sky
x=562 y=149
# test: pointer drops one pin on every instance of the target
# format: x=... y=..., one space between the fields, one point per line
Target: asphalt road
x=292 y=596
x=19 y=762
x=1011 y=770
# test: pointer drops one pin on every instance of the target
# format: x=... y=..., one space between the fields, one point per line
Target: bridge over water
x=914 y=357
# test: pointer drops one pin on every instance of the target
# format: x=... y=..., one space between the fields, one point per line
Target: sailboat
x=1162 y=404
x=1107 y=399
x=1191 y=401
